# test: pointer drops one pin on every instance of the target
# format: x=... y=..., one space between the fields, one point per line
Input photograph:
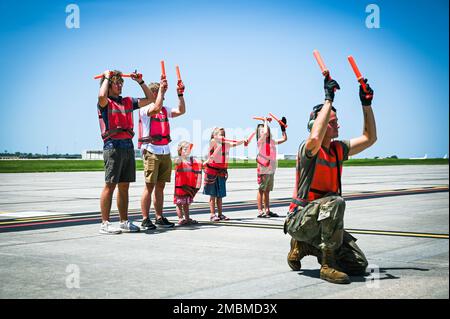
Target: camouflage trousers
x=321 y=224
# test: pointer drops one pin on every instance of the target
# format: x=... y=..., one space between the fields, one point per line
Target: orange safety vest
x=188 y=177
x=267 y=153
x=326 y=178
x=120 y=120
x=159 y=130
x=217 y=164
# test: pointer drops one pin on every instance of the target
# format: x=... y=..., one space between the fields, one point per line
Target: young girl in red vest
x=266 y=165
x=188 y=177
x=216 y=171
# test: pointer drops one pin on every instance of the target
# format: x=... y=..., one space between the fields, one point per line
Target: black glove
x=366 y=97
x=330 y=86
x=283 y=127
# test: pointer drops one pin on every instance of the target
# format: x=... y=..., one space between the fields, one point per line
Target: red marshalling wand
x=359 y=77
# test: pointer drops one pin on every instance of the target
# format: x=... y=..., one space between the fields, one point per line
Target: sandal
x=223 y=217
x=191 y=221
x=260 y=215
x=182 y=222
x=272 y=214
x=214 y=218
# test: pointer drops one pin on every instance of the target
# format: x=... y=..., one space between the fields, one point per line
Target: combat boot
x=329 y=271
x=299 y=250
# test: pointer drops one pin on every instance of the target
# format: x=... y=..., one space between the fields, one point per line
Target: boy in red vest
x=316 y=216
x=154 y=139
x=116 y=124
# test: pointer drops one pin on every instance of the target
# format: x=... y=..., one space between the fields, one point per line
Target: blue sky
x=237 y=59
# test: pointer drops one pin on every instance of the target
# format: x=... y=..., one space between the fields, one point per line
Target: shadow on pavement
x=382 y=274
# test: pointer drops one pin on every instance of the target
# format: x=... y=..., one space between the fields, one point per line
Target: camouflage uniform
x=321 y=224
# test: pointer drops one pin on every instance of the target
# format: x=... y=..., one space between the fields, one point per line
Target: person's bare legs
x=180 y=213
x=122 y=200
x=158 y=199
x=259 y=201
x=106 y=200
x=212 y=205
x=267 y=201
x=146 y=199
x=186 y=211
x=219 y=205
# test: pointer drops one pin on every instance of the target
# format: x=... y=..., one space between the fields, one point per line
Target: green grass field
x=33 y=166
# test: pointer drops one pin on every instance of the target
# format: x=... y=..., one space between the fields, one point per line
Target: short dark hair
x=315 y=112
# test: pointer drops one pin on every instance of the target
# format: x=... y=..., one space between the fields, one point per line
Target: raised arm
x=249 y=138
x=234 y=144
x=103 y=94
x=369 y=135
x=319 y=128
x=137 y=77
x=157 y=106
x=181 y=103
x=283 y=132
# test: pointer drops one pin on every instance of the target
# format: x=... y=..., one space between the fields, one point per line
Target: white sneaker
x=128 y=227
x=108 y=229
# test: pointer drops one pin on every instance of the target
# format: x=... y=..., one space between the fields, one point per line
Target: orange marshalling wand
x=101 y=75
x=163 y=69
x=260 y=118
x=276 y=119
x=251 y=137
x=319 y=60
x=359 y=77
x=178 y=73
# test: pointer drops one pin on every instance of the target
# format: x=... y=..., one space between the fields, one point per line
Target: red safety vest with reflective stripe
x=120 y=120
x=326 y=176
x=217 y=163
x=159 y=130
x=267 y=153
x=188 y=177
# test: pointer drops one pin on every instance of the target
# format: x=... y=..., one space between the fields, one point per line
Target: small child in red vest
x=216 y=172
x=266 y=165
x=188 y=177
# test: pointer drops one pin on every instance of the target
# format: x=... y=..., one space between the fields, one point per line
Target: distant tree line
x=20 y=155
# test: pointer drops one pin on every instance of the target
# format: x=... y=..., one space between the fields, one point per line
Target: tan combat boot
x=298 y=251
x=328 y=271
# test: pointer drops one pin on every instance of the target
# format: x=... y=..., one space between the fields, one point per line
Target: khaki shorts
x=265 y=182
x=157 y=168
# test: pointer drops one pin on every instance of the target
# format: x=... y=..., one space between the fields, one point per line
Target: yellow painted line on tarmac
x=245 y=205
x=15 y=221
x=33 y=218
x=222 y=223
x=394 y=233
x=354 y=231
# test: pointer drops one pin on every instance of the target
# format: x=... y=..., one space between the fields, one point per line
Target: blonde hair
x=216 y=130
x=181 y=146
x=154 y=87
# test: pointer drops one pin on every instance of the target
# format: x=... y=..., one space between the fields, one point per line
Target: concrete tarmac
x=403 y=230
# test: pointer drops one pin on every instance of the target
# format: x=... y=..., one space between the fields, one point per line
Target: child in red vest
x=266 y=165
x=216 y=171
x=188 y=176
